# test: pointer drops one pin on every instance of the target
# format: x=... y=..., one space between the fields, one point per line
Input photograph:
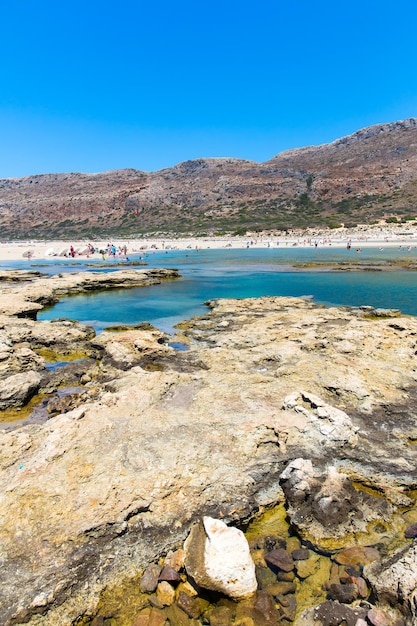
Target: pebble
x=357 y=555
x=280 y=559
x=411 y=531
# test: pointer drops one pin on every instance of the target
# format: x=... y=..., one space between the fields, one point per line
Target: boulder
x=324 y=505
x=394 y=581
x=218 y=559
x=18 y=389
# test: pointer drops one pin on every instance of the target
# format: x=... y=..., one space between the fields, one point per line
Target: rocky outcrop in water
x=276 y=402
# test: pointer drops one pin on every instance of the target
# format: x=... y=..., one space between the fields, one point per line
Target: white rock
x=218 y=558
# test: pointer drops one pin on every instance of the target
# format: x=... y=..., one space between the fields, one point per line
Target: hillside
x=362 y=178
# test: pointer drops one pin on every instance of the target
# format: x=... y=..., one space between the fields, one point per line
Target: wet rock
x=344 y=593
x=218 y=558
x=187 y=588
x=332 y=613
x=149 y=580
x=221 y=616
x=307 y=567
x=247 y=614
x=287 y=607
x=157 y=617
x=302 y=554
x=170 y=575
x=281 y=588
x=357 y=555
x=270 y=542
x=285 y=576
x=280 y=559
x=411 y=531
x=165 y=593
x=176 y=616
x=155 y=601
x=193 y=606
x=265 y=576
x=292 y=544
x=363 y=590
x=265 y=604
x=63 y=404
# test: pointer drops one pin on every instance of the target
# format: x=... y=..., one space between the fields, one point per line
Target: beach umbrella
x=50 y=252
x=27 y=254
x=63 y=252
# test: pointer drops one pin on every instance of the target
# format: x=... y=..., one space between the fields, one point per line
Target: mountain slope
x=367 y=176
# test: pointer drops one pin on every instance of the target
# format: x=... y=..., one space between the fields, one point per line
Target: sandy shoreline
x=384 y=237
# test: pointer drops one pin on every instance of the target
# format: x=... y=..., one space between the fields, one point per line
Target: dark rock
x=149 y=581
x=221 y=616
x=271 y=542
x=333 y=614
x=63 y=404
x=353 y=571
x=411 y=531
x=286 y=576
x=265 y=604
x=193 y=606
x=300 y=555
x=265 y=576
x=280 y=559
x=283 y=588
x=176 y=616
x=247 y=614
x=155 y=602
x=287 y=607
x=170 y=575
x=344 y=593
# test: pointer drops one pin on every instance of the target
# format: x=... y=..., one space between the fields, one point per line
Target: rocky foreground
x=276 y=402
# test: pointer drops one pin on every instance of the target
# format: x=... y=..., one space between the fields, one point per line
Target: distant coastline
x=362 y=236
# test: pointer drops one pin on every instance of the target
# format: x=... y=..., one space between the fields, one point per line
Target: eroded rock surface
x=97 y=493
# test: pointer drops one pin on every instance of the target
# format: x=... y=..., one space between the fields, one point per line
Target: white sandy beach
x=363 y=236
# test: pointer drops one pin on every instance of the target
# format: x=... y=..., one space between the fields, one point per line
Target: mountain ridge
x=367 y=176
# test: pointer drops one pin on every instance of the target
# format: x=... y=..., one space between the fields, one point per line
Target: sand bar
x=363 y=236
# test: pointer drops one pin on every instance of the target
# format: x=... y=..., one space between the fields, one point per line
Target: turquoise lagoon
x=231 y=273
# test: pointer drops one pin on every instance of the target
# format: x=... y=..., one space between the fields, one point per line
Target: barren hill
x=365 y=177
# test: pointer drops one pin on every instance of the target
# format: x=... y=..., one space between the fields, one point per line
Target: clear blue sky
x=88 y=86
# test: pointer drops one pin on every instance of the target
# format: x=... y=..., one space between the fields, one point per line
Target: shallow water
x=231 y=273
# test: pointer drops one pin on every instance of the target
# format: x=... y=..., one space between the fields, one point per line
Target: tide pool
x=232 y=273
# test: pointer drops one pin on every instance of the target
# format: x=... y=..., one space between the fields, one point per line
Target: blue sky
x=88 y=86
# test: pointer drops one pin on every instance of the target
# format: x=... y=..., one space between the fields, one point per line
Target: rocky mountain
x=362 y=178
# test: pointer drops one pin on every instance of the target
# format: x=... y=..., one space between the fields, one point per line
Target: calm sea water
x=230 y=273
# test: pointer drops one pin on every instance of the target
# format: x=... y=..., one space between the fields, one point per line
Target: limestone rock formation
x=394 y=580
x=18 y=389
x=162 y=438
